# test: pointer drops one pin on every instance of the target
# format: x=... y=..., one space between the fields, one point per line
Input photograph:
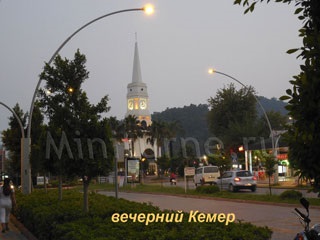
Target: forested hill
x=272 y=104
x=193 y=118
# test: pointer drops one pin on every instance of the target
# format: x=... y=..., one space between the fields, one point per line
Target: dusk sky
x=177 y=45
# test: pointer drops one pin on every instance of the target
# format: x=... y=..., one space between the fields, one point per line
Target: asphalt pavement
x=263 y=185
x=278 y=217
x=17 y=231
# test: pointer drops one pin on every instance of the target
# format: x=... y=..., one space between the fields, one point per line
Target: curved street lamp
x=17 y=117
x=25 y=165
x=212 y=71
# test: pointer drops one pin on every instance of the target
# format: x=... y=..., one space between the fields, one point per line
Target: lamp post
x=26 y=170
x=212 y=71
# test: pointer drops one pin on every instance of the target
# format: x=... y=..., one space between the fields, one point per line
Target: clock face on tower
x=143 y=103
x=130 y=104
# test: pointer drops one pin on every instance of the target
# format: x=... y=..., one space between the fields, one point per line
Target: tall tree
x=117 y=128
x=303 y=99
x=133 y=129
x=278 y=122
x=269 y=163
x=11 y=138
x=86 y=149
x=233 y=115
x=160 y=132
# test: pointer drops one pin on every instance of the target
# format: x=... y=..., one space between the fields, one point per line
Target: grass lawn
x=156 y=188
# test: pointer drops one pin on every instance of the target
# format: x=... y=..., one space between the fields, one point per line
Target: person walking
x=173 y=177
x=7 y=201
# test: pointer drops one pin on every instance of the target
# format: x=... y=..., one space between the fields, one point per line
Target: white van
x=206 y=175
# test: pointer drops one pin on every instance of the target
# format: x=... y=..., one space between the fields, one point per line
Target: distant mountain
x=272 y=104
x=193 y=118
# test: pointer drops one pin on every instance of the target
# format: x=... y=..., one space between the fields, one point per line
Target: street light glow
x=70 y=90
x=211 y=71
x=148 y=9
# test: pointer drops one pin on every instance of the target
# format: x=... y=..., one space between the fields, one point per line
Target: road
x=280 y=219
x=260 y=190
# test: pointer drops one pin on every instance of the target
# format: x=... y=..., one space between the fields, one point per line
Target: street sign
x=189 y=171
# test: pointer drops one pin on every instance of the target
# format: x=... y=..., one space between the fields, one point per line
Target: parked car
x=237 y=179
x=206 y=175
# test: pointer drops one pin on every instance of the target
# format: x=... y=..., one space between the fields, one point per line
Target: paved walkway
x=17 y=231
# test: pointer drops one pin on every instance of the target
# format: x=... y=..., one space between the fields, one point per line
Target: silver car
x=238 y=179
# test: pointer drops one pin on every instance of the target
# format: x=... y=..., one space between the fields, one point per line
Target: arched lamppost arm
x=211 y=71
x=58 y=50
x=17 y=117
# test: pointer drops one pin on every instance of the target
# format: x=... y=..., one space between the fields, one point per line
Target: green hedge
x=50 y=219
x=208 y=189
x=291 y=194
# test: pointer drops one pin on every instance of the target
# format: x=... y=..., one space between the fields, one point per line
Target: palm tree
x=117 y=128
x=159 y=132
x=173 y=129
x=133 y=129
x=156 y=134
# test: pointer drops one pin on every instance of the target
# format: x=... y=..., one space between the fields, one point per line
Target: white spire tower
x=138 y=106
x=137 y=95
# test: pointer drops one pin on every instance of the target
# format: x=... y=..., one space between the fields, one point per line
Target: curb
x=24 y=231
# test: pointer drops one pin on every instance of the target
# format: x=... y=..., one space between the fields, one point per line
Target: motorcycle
x=312 y=233
x=173 y=181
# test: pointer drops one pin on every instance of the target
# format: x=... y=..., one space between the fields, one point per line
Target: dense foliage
x=207 y=189
x=233 y=115
x=291 y=194
x=11 y=138
x=77 y=141
x=50 y=219
x=191 y=119
x=304 y=101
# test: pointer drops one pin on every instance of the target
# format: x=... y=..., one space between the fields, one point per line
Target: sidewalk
x=17 y=231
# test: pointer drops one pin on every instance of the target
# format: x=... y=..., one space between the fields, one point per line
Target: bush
x=50 y=219
x=291 y=194
x=208 y=189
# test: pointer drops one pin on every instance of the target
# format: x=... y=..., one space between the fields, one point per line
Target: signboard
x=133 y=168
x=189 y=171
x=40 y=180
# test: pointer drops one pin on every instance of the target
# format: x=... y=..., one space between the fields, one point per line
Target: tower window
x=141 y=89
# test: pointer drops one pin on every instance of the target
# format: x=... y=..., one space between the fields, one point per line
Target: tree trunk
x=60 y=187
x=45 y=183
x=270 y=185
x=85 y=196
x=132 y=147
